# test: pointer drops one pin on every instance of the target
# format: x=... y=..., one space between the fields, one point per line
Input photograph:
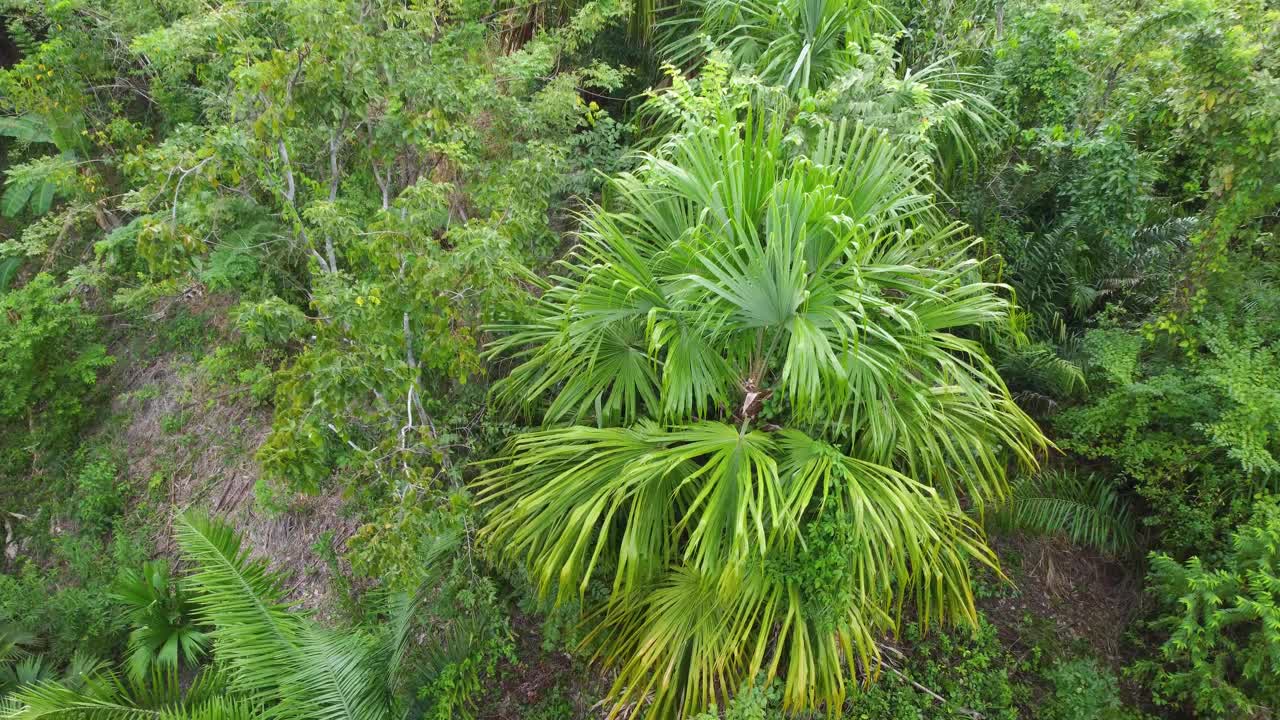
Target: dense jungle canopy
x=648 y=359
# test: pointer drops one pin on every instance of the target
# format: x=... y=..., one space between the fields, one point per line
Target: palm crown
x=801 y=45
x=763 y=339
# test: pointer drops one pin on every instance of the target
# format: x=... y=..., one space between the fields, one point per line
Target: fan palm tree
x=825 y=57
x=800 y=44
x=270 y=661
x=758 y=342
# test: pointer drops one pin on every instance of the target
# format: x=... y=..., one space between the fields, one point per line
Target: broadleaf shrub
x=50 y=357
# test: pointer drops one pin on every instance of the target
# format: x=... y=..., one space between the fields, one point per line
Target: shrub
x=759 y=701
x=970 y=671
x=1082 y=690
x=49 y=362
x=97 y=499
x=1221 y=624
x=1194 y=429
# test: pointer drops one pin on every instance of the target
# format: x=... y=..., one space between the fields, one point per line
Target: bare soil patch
x=196 y=443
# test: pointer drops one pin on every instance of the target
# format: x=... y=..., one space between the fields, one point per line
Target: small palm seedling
x=164 y=629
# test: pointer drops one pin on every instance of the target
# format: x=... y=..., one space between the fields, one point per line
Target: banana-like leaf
x=26 y=128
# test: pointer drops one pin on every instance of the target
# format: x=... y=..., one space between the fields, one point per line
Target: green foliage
x=970 y=671
x=553 y=706
x=1086 y=509
x=1195 y=433
x=67 y=614
x=164 y=633
x=34 y=184
x=277 y=658
x=14 y=642
x=49 y=362
x=1041 y=374
x=777 y=381
x=755 y=702
x=422 y=545
x=734 y=287
x=939 y=111
x=1111 y=185
x=1220 y=624
x=1083 y=690
x=802 y=45
x=9 y=268
x=269 y=323
x=97 y=498
x=368 y=218
x=269 y=659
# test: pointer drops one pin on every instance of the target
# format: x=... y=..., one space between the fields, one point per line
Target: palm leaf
x=276 y=659
x=102 y=695
x=752 y=282
x=798 y=44
x=1087 y=509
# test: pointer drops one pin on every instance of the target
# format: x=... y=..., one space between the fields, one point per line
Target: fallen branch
x=901 y=676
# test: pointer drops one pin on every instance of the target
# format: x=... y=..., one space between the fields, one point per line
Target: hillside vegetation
x=648 y=359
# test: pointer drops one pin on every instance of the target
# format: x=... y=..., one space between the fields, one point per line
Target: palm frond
x=15 y=642
x=1042 y=368
x=624 y=498
x=797 y=44
x=1087 y=509
x=752 y=281
x=108 y=698
x=276 y=659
